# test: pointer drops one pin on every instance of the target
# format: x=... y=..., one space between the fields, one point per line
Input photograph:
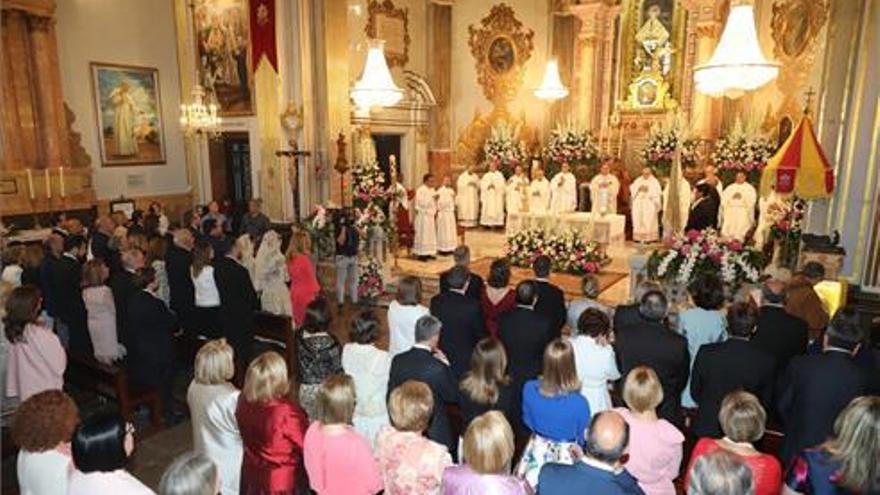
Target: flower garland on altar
x=568 y=251
x=503 y=148
x=742 y=150
x=370 y=286
x=572 y=144
x=659 y=149
x=687 y=256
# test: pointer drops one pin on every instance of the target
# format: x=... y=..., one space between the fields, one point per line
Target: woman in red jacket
x=304 y=286
x=272 y=428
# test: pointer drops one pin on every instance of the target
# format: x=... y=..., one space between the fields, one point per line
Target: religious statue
x=652 y=65
x=653 y=37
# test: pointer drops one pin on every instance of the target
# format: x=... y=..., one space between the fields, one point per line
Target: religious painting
x=500 y=45
x=501 y=55
x=222 y=35
x=129 y=114
x=387 y=22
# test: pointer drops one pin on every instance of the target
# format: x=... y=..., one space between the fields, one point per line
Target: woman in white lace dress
x=272 y=276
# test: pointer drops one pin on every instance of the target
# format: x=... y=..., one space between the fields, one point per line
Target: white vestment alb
x=563 y=193
x=446 y=228
x=738 y=205
x=539 y=196
x=492 y=187
x=646 y=197
x=603 y=194
x=425 y=226
x=468 y=199
x=516 y=187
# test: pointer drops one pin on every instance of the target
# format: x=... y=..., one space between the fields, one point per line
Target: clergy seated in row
x=492 y=187
x=646 y=197
x=563 y=191
x=603 y=191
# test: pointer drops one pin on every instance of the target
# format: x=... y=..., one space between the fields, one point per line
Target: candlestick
x=61 y=179
x=48 y=183
x=30 y=176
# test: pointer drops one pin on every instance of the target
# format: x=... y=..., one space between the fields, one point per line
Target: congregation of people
x=487 y=387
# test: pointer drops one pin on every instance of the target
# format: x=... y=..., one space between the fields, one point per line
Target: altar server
x=446 y=228
x=646 y=197
x=492 y=187
x=468 y=198
x=563 y=191
x=603 y=191
x=517 y=186
x=425 y=245
x=539 y=193
x=738 y=208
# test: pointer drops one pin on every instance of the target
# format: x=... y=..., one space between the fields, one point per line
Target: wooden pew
x=276 y=332
x=112 y=381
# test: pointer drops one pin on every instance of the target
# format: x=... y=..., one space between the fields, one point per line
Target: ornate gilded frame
x=388 y=9
x=500 y=27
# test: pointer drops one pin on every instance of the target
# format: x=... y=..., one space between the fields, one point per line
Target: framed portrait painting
x=129 y=114
x=222 y=37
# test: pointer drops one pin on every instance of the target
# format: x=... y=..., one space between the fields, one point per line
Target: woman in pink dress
x=497 y=297
x=656 y=461
x=101 y=312
x=304 y=286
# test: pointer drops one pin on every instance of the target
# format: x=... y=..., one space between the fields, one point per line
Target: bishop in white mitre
x=563 y=191
x=468 y=198
x=738 y=205
x=603 y=191
x=647 y=196
x=425 y=226
x=447 y=232
x=492 y=187
x=539 y=193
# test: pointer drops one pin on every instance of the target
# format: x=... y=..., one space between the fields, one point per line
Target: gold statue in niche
x=651 y=50
x=655 y=54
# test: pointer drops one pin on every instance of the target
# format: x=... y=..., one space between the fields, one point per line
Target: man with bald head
x=601 y=469
x=178 y=260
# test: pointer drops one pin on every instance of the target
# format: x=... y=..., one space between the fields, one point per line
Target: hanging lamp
x=551 y=87
x=738 y=64
x=376 y=87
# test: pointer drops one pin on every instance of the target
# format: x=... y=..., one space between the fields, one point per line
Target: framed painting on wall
x=129 y=114
x=222 y=37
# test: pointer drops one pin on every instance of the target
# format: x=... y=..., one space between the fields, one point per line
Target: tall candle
x=61 y=179
x=48 y=183
x=31 y=194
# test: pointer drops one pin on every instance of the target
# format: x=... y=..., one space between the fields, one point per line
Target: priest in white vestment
x=539 y=193
x=646 y=195
x=468 y=198
x=563 y=191
x=517 y=186
x=447 y=232
x=603 y=191
x=425 y=226
x=492 y=187
x=738 y=208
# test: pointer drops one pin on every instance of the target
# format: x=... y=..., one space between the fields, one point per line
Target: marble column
x=704 y=28
x=440 y=81
x=593 y=68
x=337 y=81
x=47 y=81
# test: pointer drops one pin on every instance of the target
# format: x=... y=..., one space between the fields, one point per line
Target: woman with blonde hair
x=272 y=428
x=486 y=386
x=411 y=463
x=304 y=286
x=191 y=473
x=246 y=248
x=488 y=450
x=656 y=461
x=271 y=275
x=849 y=462
x=554 y=411
x=212 y=401
x=332 y=446
x=101 y=311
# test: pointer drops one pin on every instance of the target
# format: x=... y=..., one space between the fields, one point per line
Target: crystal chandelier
x=375 y=88
x=197 y=117
x=551 y=88
x=738 y=64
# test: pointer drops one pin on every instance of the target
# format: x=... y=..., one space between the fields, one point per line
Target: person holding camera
x=347 y=242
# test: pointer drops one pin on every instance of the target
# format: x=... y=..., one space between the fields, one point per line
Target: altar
x=605 y=229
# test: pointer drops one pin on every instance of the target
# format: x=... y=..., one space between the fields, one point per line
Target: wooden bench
x=276 y=332
x=112 y=381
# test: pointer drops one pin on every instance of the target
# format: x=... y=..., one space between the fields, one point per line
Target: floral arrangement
x=369 y=217
x=370 y=197
x=660 y=147
x=697 y=252
x=786 y=230
x=319 y=226
x=370 y=283
x=504 y=148
x=568 y=251
x=572 y=144
x=742 y=150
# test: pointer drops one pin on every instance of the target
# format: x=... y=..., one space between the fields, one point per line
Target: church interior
x=392 y=140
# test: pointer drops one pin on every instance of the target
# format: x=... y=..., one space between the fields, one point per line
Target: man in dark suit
x=602 y=468
x=122 y=285
x=780 y=334
x=724 y=367
x=704 y=210
x=101 y=245
x=426 y=363
x=551 y=300
x=462 y=258
x=626 y=315
x=238 y=302
x=653 y=344
x=152 y=326
x=178 y=263
x=462 y=319
x=817 y=387
x=67 y=291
